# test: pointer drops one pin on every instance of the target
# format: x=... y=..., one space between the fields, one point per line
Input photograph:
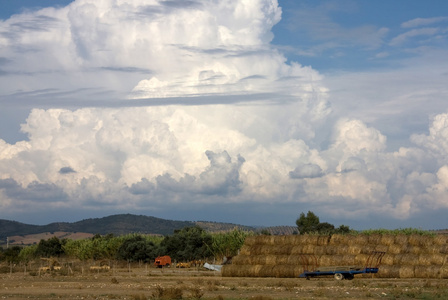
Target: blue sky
x=240 y=112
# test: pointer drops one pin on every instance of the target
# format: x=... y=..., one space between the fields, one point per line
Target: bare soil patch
x=139 y=282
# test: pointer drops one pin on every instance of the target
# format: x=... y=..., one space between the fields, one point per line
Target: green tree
x=50 y=247
x=137 y=248
x=11 y=255
x=308 y=223
x=311 y=224
x=188 y=244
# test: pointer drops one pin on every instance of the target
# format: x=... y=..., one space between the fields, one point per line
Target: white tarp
x=213 y=267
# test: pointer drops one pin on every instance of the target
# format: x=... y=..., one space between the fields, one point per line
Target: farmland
x=143 y=281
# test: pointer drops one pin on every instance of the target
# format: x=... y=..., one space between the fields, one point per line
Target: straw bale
x=336 y=260
x=406 y=271
x=367 y=249
x=240 y=271
x=444 y=249
x=443 y=272
x=387 y=239
x=298 y=249
x=427 y=271
x=242 y=260
x=342 y=249
x=283 y=271
x=406 y=259
x=258 y=249
x=361 y=259
x=250 y=240
x=308 y=249
x=434 y=249
x=395 y=248
x=431 y=259
x=271 y=259
x=323 y=240
x=382 y=248
x=281 y=249
x=354 y=249
x=374 y=239
x=440 y=239
x=358 y=240
x=412 y=249
x=281 y=259
x=388 y=259
x=389 y=272
x=313 y=239
x=338 y=239
x=401 y=239
x=319 y=250
x=245 y=250
x=331 y=250
x=420 y=240
x=297 y=260
x=265 y=271
x=295 y=239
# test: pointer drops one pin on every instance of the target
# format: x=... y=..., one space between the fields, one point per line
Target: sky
x=245 y=112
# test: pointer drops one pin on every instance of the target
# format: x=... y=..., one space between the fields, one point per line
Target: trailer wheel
x=338 y=276
x=349 y=276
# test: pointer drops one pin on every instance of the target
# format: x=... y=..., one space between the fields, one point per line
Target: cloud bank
x=274 y=140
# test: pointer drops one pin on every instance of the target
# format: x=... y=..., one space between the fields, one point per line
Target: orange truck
x=162 y=261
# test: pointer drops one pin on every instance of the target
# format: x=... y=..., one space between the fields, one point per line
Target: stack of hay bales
x=407 y=256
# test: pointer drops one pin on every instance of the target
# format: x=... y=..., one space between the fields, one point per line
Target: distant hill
x=116 y=224
x=20 y=233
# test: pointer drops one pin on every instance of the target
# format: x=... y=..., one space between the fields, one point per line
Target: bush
x=189 y=243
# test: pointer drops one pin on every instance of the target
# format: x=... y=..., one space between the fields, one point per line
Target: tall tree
x=308 y=223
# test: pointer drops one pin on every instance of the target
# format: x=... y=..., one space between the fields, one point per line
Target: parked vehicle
x=163 y=261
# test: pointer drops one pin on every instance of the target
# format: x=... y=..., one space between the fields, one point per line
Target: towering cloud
x=200 y=109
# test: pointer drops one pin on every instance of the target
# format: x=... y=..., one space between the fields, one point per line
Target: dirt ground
x=145 y=282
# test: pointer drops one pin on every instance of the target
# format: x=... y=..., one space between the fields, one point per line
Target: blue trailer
x=345 y=272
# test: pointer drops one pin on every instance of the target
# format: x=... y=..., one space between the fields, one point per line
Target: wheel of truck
x=338 y=276
x=349 y=276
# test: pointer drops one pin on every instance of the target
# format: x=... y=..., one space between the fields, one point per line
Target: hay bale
x=265 y=271
x=395 y=249
x=405 y=259
x=431 y=259
x=354 y=249
x=401 y=239
x=388 y=259
x=331 y=250
x=308 y=249
x=389 y=272
x=283 y=271
x=338 y=239
x=387 y=239
x=297 y=260
x=420 y=240
x=367 y=249
x=245 y=250
x=444 y=249
x=427 y=271
x=374 y=239
x=440 y=239
x=319 y=250
x=323 y=240
x=361 y=259
x=443 y=272
x=250 y=240
x=382 y=248
x=406 y=272
x=358 y=240
x=297 y=249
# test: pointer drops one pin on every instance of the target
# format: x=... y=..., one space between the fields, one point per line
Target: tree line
x=187 y=244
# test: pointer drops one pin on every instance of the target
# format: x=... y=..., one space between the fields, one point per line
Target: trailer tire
x=338 y=276
x=349 y=276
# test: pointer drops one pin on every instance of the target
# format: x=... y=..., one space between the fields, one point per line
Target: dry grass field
x=138 y=282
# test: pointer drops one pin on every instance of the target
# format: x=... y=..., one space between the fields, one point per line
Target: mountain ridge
x=116 y=224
